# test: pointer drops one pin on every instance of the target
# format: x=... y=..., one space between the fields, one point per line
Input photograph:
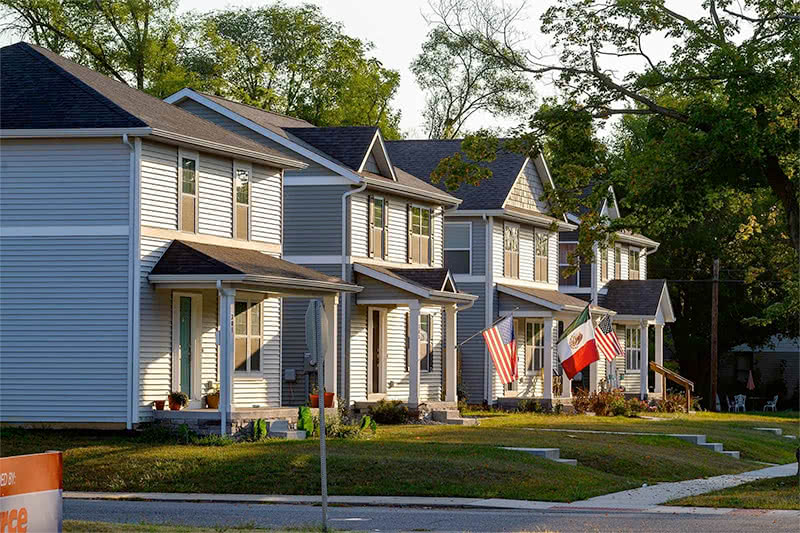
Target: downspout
x=488 y=315
x=345 y=297
x=131 y=282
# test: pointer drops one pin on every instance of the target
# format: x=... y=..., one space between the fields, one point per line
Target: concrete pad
x=774 y=431
x=570 y=462
x=546 y=453
x=288 y=435
x=694 y=439
x=731 y=453
x=713 y=446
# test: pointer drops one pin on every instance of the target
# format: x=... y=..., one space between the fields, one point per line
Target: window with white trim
x=633 y=263
x=378 y=217
x=633 y=348
x=540 y=253
x=188 y=194
x=511 y=250
x=534 y=345
x=241 y=207
x=247 y=327
x=604 y=264
x=617 y=262
x=419 y=235
x=458 y=247
x=564 y=249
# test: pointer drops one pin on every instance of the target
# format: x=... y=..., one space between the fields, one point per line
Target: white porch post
x=451 y=355
x=566 y=386
x=593 y=375
x=548 y=359
x=659 y=357
x=644 y=366
x=226 y=301
x=413 y=354
x=330 y=305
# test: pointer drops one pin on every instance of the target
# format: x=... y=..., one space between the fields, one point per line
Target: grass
x=81 y=526
x=422 y=460
x=775 y=493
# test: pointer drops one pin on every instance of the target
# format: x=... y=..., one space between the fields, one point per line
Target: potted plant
x=159 y=405
x=178 y=400
x=313 y=398
x=212 y=397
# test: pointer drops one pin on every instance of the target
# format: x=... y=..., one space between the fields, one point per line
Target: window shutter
x=370 y=226
x=430 y=239
x=408 y=235
x=385 y=229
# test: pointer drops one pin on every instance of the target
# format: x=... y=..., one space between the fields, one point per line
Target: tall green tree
x=460 y=81
x=292 y=60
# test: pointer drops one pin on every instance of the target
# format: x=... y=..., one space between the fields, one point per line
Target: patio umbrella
x=750 y=384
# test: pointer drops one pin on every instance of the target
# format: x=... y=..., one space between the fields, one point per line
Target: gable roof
x=637 y=297
x=420 y=158
x=428 y=283
x=555 y=300
x=276 y=122
x=348 y=144
x=42 y=90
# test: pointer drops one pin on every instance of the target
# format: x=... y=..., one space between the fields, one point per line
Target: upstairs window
x=534 y=346
x=419 y=235
x=540 y=257
x=378 y=224
x=242 y=204
x=458 y=247
x=188 y=195
x=604 y=264
x=633 y=267
x=617 y=263
x=564 y=249
x=511 y=251
x=247 y=335
x=633 y=348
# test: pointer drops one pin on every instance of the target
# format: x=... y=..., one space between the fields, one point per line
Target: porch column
x=413 y=354
x=644 y=366
x=330 y=305
x=593 y=374
x=451 y=357
x=566 y=383
x=660 y=379
x=226 y=301
x=548 y=359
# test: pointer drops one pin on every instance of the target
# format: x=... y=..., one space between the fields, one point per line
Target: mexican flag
x=576 y=348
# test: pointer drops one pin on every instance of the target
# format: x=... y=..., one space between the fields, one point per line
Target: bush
x=305 y=422
x=260 y=429
x=606 y=403
x=528 y=405
x=389 y=412
x=673 y=403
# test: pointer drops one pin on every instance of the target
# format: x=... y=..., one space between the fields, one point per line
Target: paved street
x=421 y=519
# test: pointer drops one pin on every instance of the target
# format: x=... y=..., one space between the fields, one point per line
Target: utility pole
x=712 y=401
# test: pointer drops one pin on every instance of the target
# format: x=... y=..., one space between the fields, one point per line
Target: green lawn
x=776 y=493
x=424 y=460
x=80 y=526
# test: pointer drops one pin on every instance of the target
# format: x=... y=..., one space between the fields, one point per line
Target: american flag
x=503 y=347
x=606 y=340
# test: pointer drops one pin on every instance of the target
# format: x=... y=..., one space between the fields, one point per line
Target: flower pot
x=212 y=400
x=175 y=406
x=313 y=400
x=328 y=399
x=159 y=405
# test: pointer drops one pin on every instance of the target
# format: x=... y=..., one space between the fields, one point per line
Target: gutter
x=73 y=132
x=345 y=300
x=520 y=217
x=274 y=281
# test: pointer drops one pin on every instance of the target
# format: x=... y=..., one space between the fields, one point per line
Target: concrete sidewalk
x=642 y=499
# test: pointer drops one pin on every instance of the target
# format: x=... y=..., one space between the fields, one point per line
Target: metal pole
x=322 y=454
x=712 y=401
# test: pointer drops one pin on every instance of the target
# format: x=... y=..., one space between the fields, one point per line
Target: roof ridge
x=32 y=50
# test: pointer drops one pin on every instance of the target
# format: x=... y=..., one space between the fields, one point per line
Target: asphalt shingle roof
x=427 y=278
x=274 y=122
x=633 y=297
x=42 y=90
x=420 y=157
x=348 y=144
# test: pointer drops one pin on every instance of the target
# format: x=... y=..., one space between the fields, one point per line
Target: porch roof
x=555 y=300
x=191 y=262
x=435 y=284
x=645 y=299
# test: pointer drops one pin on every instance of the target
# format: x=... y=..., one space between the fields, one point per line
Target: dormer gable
x=529 y=187
x=376 y=159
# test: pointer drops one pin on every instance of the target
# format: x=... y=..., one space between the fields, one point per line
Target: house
x=142 y=253
x=501 y=242
x=775 y=366
x=350 y=212
x=616 y=279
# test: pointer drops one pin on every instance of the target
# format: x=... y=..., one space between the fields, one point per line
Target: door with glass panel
x=376 y=368
x=186 y=315
x=247 y=336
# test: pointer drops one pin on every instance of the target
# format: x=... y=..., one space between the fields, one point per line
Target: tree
x=134 y=41
x=730 y=83
x=460 y=81
x=292 y=60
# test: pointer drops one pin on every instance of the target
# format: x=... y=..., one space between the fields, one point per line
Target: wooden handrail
x=677 y=378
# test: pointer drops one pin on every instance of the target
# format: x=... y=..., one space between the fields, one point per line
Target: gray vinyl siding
x=159 y=185
x=527 y=191
x=313 y=220
x=378 y=290
x=215 y=195
x=585 y=275
x=527 y=244
x=64 y=300
x=478 y=245
x=267 y=205
x=473 y=352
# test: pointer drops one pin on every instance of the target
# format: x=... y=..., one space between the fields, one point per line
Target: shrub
x=673 y=403
x=260 y=429
x=305 y=422
x=617 y=406
x=528 y=405
x=389 y=412
x=581 y=402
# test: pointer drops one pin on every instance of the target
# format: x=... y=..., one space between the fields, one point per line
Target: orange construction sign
x=30 y=493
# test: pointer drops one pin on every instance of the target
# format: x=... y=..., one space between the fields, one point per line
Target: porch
x=240 y=421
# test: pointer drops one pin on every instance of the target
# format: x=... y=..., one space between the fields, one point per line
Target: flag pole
x=484 y=329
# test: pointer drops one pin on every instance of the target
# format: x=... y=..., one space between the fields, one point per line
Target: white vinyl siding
x=159 y=185
x=266 y=200
x=526 y=248
x=216 y=195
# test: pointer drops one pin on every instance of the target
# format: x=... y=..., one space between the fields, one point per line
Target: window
x=458 y=247
x=617 y=263
x=633 y=263
x=242 y=203
x=564 y=249
x=511 y=250
x=540 y=257
x=534 y=346
x=633 y=348
x=419 y=235
x=247 y=335
x=188 y=194
x=425 y=346
x=378 y=217
x=604 y=264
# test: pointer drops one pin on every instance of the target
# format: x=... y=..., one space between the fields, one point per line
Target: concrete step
x=713 y=446
x=731 y=453
x=278 y=425
x=445 y=415
x=694 y=439
x=547 y=453
x=774 y=431
x=789 y=437
x=462 y=421
x=570 y=462
x=288 y=435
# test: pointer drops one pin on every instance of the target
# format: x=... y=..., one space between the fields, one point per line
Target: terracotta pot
x=212 y=400
x=159 y=405
x=313 y=400
x=175 y=406
x=328 y=399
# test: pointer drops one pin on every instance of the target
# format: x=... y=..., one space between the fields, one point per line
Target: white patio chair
x=730 y=403
x=739 y=400
x=773 y=405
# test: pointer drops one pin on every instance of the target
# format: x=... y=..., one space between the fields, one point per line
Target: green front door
x=186 y=344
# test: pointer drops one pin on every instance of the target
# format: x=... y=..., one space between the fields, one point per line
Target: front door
x=376 y=374
x=186 y=310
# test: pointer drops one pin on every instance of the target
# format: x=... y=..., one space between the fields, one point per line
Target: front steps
x=774 y=431
x=551 y=454
x=279 y=429
x=453 y=417
x=700 y=440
